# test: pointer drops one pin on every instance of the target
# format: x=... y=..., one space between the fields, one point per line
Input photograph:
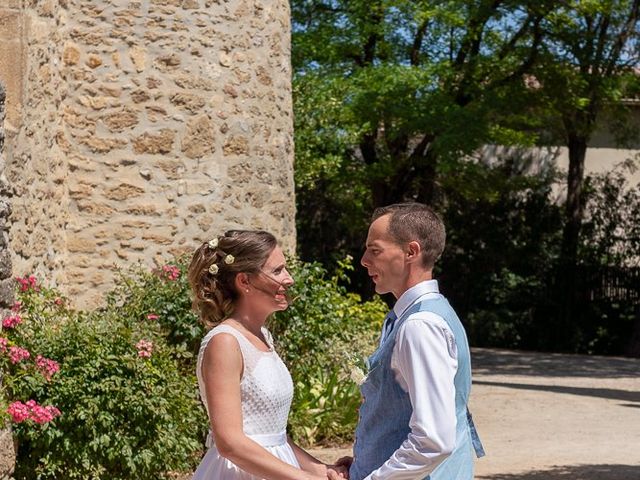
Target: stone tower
x=136 y=129
x=7 y=454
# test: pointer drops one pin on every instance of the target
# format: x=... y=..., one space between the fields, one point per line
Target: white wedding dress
x=266 y=392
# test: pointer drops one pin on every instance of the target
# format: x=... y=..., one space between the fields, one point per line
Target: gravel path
x=552 y=416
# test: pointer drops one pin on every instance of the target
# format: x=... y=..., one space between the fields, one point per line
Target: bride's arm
x=308 y=462
x=311 y=464
x=222 y=371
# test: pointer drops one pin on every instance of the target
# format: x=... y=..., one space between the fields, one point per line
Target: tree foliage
x=398 y=100
x=391 y=96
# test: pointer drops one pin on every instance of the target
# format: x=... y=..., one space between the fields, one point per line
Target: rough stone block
x=124 y=191
x=237 y=145
x=103 y=145
x=7 y=454
x=93 y=61
x=138 y=56
x=10 y=24
x=155 y=143
x=7 y=287
x=192 y=103
x=76 y=244
x=200 y=138
x=122 y=120
x=5 y=264
x=143 y=210
x=71 y=54
x=97 y=210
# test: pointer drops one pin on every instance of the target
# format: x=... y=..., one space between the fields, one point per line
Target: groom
x=414 y=422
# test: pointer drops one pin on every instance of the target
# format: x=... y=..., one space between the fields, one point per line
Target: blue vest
x=386 y=408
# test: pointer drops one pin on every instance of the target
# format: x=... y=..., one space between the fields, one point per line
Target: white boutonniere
x=357 y=375
x=359 y=369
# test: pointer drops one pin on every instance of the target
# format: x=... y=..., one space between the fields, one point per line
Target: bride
x=238 y=280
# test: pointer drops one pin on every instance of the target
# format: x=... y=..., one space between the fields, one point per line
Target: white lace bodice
x=266 y=386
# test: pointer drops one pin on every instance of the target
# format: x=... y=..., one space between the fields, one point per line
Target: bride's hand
x=337 y=472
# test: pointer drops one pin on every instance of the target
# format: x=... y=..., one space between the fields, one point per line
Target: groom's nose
x=364 y=260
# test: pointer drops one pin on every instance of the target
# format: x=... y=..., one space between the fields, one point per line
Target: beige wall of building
x=604 y=154
x=136 y=129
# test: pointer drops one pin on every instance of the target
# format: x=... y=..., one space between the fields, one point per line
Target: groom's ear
x=413 y=252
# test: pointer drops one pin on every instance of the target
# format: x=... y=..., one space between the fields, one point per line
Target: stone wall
x=7 y=454
x=141 y=128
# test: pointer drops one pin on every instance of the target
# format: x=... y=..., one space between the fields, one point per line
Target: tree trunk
x=567 y=284
x=427 y=173
x=574 y=208
x=633 y=346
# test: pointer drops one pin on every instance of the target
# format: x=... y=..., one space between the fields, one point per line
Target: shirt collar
x=410 y=297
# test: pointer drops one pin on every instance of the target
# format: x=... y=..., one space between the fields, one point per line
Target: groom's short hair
x=414 y=221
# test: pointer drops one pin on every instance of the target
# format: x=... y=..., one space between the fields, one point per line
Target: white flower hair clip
x=213 y=244
x=229 y=259
x=213 y=269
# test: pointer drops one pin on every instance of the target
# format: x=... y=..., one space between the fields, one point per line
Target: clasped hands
x=339 y=470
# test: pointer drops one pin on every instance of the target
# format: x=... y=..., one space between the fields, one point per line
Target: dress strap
x=215 y=331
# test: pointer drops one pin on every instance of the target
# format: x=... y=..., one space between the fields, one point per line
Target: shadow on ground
x=574 y=472
x=608 y=393
x=508 y=362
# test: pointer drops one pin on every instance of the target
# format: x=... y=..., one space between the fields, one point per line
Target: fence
x=616 y=284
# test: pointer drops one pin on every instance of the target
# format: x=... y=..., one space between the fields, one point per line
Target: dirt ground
x=551 y=416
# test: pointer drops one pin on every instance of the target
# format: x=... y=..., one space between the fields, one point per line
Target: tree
x=586 y=67
x=393 y=101
x=391 y=95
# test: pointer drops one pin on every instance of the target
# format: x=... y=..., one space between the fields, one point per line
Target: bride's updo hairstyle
x=216 y=263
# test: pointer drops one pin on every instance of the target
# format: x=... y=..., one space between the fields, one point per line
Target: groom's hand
x=340 y=470
x=345 y=462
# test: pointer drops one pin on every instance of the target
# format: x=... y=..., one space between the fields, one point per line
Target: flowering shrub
x=160 y=300
x=117 y=389
x=96 y=395
x=20 y=368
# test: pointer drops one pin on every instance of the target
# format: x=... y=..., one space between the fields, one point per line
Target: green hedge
x=324 y=334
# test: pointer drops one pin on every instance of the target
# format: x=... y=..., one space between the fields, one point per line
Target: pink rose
x=144 y=348
x=17 y=354
x=171 y=272
x=32 y=411
x=19 y=412
x=11 y=321
x=28 y=283
x=47 y=366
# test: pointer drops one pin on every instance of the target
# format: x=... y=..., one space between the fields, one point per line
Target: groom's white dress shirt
x=424 y=361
